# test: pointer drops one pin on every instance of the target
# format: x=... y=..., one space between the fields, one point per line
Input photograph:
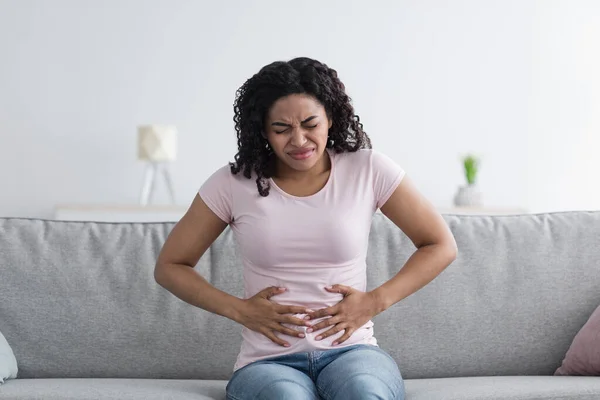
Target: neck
x=283 y=171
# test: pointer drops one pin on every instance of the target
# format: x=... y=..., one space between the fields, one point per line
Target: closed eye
x=280 y=123
x=310 y=126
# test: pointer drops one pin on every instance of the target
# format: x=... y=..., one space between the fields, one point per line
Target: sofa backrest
x=78 y=299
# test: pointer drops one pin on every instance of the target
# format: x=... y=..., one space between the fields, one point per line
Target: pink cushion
x=583 y=357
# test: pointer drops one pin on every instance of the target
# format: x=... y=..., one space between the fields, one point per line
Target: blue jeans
x=359 y=371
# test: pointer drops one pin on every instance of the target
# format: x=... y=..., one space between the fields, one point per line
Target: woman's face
x=296 y=129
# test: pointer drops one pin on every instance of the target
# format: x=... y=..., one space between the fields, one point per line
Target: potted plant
x=469 y=195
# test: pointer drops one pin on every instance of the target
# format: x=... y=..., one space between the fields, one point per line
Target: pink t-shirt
x=304 y=243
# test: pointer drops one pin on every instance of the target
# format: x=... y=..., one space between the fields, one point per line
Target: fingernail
x=334 y=343
x=281 y=288
x=318 y=338
x=307 y=317
x=301 y=335
x=287 y=345
x=309 y=310
x=309 y=330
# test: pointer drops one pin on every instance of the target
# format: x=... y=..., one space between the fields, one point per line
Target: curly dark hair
x=279 y=79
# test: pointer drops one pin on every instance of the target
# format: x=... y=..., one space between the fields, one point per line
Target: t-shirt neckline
x=323 y=189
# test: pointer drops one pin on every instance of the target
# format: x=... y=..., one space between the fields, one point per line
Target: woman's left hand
x=352 y=312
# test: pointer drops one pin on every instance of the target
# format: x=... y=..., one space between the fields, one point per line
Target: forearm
x=421 y=268
x=186 y=284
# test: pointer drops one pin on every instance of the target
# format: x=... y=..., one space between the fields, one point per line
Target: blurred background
x=516 y=83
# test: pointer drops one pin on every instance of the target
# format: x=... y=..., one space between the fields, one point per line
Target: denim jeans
x=359 y=371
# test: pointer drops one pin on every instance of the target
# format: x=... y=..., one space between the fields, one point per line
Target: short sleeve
x=216 y=193
x=387 y=175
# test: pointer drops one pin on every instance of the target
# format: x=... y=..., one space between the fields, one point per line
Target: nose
x=298 y=138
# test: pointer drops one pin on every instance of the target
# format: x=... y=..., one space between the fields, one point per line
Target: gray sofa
x=86 y=320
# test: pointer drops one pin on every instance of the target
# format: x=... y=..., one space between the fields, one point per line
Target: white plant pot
x=468 y=196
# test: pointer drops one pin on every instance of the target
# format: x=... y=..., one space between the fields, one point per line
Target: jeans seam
x=324 y=395
x=229 y=396
x=311 y=367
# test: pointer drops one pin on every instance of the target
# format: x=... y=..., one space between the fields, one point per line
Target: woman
x=300 y=197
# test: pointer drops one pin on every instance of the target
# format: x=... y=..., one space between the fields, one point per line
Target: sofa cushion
x=80 y=301
x=488 y=388
x=520 y=289
x=583 y=357
x=505 y=388
x=122 y=389
x=8 y=362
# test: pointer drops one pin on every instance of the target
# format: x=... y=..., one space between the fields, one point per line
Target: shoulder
x=236 y=184
x=364 y=159
x=351 y=157
x=222 y=187
x=222 y=172
x=221 y=177
x=226 y=175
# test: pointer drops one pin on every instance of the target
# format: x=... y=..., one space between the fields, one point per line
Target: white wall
x=564 y=106
x=514 y=81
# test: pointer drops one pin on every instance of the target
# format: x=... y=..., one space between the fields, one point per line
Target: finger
x=293 y=320
x=330 y=332
x=344 y=337
x=292 y=309
x=323 y=312
x=289 y=331
x=324 y=324
x=276 y=340
x=342 y=289
x=271 y=291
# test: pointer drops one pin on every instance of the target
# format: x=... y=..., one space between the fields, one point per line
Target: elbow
x=165 y=272
x=451 y=250
x=453 y=254
x=445 y=249
x=159 y=273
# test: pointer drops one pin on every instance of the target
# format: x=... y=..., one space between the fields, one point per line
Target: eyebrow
x=306 y=120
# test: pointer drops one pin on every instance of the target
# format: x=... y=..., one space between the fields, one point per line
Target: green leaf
x=471 y=164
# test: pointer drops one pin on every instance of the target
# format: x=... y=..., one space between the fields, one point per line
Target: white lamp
x=157 y=144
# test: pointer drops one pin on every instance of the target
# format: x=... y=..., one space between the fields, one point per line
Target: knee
x=286 y=389
x=367 y=386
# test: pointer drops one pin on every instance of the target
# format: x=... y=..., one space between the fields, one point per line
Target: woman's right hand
x=264 y=316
